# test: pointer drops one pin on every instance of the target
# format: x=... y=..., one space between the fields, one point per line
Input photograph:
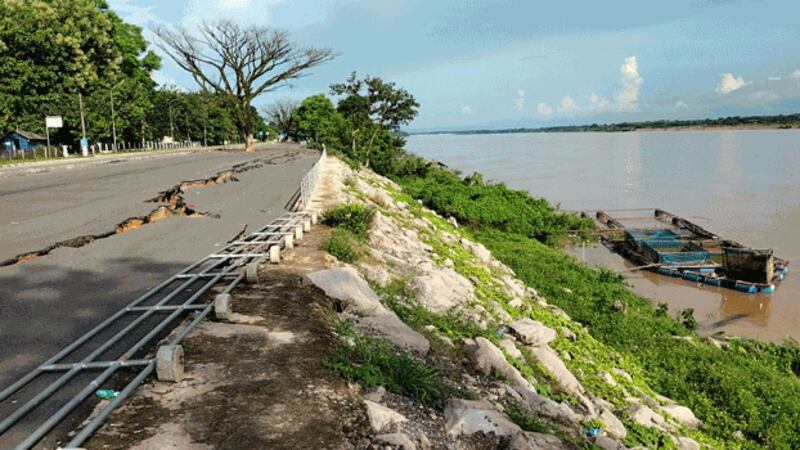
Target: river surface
x=742 y=185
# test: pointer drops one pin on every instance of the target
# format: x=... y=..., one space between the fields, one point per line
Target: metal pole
x=113 y=122
x=47 y=132
x=83 y=122
x=171 y=127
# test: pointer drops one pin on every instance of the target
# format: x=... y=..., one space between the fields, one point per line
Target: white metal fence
x=309 y=182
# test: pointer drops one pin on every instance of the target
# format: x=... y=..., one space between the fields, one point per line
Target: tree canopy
x=239 y=62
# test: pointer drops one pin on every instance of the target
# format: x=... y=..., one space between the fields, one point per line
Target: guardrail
x=106 y=347
x=309 y=182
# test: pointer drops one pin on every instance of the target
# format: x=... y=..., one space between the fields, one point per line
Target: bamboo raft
x=673 y=246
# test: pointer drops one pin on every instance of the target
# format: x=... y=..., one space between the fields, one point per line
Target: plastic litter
x=592 y=432
x=106 y=394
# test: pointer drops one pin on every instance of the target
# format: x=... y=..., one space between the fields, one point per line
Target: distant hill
x=777 y=122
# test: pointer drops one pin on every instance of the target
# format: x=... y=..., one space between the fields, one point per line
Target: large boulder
x=489 y=358
x=685 y=443
x=347 y=286
x=612 y=425
x=441 y=288
x=608 y=443
x=550 y=361
x=683 y=415
x=527 y=440
x=531 y=332
x=646 y=417
x=397 y=440
x=478 y=250
x=381 y=417
x=467 y=417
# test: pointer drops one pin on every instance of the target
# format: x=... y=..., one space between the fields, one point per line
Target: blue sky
x=504 y=63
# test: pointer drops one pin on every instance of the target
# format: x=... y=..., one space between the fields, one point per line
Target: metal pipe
x=98 y=420
x=98 y=364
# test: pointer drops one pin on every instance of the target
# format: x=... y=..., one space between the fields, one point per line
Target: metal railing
x=177 y=296
x=309 y=182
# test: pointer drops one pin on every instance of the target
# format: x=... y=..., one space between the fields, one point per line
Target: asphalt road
x=52 y=300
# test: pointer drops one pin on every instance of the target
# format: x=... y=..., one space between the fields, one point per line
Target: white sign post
x=51 y=122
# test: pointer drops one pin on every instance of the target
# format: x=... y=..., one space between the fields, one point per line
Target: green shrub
x=341 y=244
x=377 y=362
x=352 y=217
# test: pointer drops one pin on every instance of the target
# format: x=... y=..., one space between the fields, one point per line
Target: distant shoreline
x=781 y=122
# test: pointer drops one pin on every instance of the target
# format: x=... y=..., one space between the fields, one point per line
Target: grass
x=352 y=217
x=342 y=244
x=372 y=361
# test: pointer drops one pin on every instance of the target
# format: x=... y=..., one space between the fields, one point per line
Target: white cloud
x=681 y=105
x=567 y=105
x=519 y=102
x=795 y=75
x=543 y=109
x=776 y=78
x=245 y=12
x=628 y=97
x=729 y=83
x=233 y=4
x=598 y=103
x=139 y=15
x=764 y=97
x=466 y=110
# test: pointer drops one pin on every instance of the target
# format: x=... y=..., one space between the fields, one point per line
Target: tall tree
x=280 y=115
x=239 y=62
x=372 y=106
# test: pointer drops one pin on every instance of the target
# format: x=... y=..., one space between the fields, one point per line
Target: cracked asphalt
x=50 y=301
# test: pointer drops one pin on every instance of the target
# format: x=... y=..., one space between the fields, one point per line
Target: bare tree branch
x=240 y=62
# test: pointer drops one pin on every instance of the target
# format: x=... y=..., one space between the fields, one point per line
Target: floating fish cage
x=673 y=246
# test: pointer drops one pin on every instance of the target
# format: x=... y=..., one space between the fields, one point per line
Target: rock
x=527 y=440
x=491 y=360
x=738 y=435
x=569 y=334
x=607 y=378
x=452 y=221
x=646 y=417
x=346 y=285
x=376 y=395
x=440 y=289
x=622 y=373
x=550 y=360
x=722 y=345
x=377 y=275
x=501 y=312
x=608 y=443
x=477 y=250
x=683 y=415
x=511 y=349
x=685 y=443
x=398 y=440
x=612 y=425
x=467 y=417
x=517 y=303
x=619 y=305
x=531 y=332
x=381 y=417
x=448 y=263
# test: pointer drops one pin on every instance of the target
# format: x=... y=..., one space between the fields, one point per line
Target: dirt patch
x=261 y=382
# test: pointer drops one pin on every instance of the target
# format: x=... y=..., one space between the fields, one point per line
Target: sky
x=529 y=63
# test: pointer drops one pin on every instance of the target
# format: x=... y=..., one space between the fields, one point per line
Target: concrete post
x=275 y=254
x=298 y=233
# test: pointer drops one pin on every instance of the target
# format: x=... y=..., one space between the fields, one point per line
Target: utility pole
x=113 y=118
x=171 y=127
x=84 y=142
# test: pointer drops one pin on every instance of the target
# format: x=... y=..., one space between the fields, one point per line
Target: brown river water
x=740 y=184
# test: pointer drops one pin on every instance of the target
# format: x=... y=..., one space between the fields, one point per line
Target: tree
x=50 y=51
x=317 y=121
x=240 y=63
x=280 y=115
x=372 y=106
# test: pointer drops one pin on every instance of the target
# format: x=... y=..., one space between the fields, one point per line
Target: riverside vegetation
x=746 y=393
